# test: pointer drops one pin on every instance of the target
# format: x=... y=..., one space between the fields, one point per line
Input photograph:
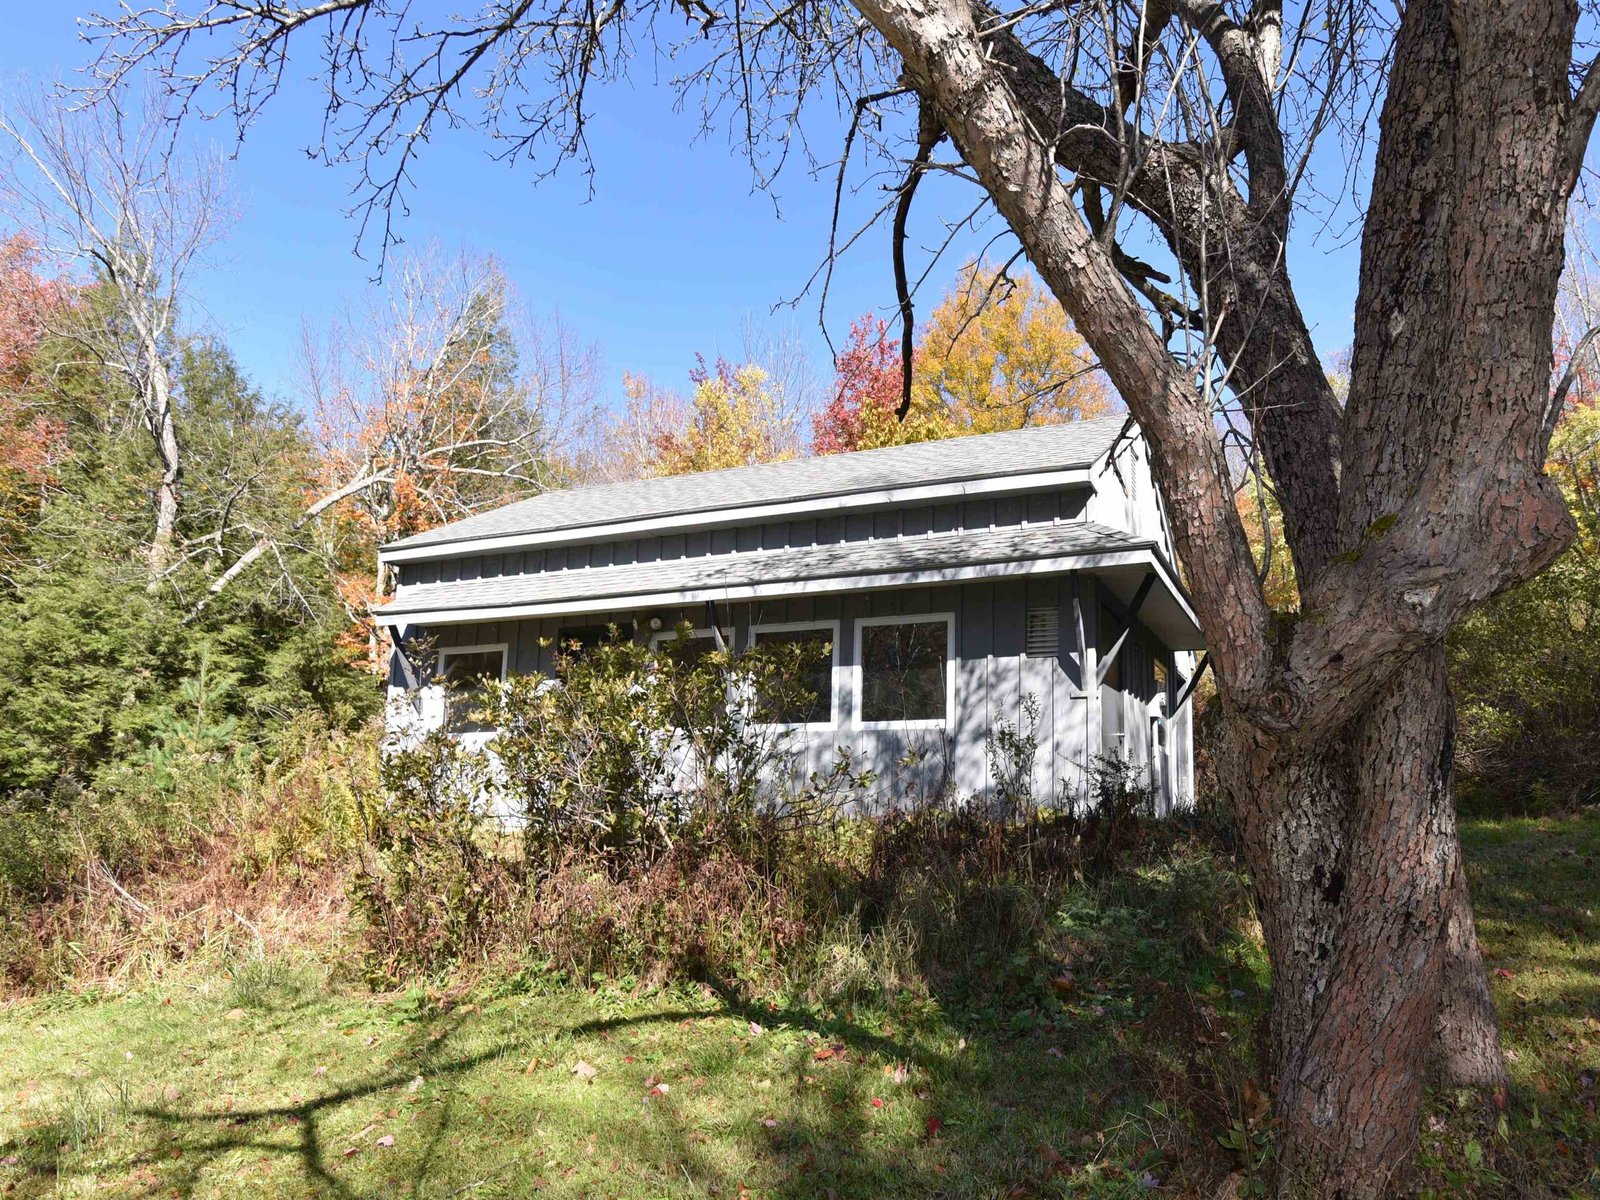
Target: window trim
x=832 y=625
x=662 y=636
x=858 y=676
x=442 y=653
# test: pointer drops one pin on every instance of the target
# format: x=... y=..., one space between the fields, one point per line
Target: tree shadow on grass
x=1004 y=1116
x=186 y=1143
x=1007 y=1116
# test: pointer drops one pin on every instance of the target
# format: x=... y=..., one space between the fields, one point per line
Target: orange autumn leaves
x=997 y=353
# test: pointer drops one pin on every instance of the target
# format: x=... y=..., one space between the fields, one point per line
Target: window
x=1043 y=636
x=692 y=647
x=809 y=701
x=904 y=669
x=463 y=672
x=575 y=639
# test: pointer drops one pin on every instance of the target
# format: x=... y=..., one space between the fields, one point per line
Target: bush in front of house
x=626 y=748
x=669 y=833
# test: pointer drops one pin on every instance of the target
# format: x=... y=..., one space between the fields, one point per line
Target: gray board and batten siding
x=1015 y=572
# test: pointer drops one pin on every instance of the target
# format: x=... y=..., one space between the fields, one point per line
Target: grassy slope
x=273 y=1085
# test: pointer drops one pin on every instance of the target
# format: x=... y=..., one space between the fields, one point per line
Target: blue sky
x=674 y=253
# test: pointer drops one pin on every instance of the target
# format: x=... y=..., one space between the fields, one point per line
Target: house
x=947 y=580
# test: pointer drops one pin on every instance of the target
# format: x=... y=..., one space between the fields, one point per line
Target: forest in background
x=186 y=564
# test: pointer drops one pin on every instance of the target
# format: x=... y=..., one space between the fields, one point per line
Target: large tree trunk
x=1356 y=862
x=162 y=423
x=1339 y=732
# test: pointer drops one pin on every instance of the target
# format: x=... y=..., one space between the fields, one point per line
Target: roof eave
x=1142 y=554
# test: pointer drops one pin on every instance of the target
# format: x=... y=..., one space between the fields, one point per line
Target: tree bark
x=1355 y=858
x=1467 y=1047
x=1339 y=732
x=162 y=422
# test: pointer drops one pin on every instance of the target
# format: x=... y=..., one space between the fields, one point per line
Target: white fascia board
x=713 y=518
x=798 y=587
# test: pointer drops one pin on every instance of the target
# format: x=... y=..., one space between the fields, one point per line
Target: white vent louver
x=1043 y=636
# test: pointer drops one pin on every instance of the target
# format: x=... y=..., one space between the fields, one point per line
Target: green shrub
x=1525 y=668
x=667 y=837
x=624 y=748
x=429 y=887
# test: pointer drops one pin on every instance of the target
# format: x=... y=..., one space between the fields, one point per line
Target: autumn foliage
x=866 y=393
x=34 y=439
x=997 y=353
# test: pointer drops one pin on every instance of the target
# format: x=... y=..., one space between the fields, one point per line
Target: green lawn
x=274 y=1083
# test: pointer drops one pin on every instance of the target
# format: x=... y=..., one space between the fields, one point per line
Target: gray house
x=948 y=580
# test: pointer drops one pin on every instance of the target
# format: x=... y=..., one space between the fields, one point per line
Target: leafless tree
x=1149 y=157
x=102 y=190
x=432 y=399
x=435 y=398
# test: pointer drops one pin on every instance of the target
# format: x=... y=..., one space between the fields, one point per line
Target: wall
x=993 y=674
x=1125 y=495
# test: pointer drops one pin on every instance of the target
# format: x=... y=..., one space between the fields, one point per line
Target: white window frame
x=834 y=696
x=472 y=736
x=858 y=677
x=663 y=636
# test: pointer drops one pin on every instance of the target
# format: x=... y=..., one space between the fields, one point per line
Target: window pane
x=903 y=671
x=810 y=700
x=463 y=678
x=575 y=639
x=689 y=650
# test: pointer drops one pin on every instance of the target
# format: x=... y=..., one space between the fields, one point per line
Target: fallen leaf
x=234 y=1014
x=584 y=1071
x=932 y=1126
x=756 y=1030
x=533 y=1065
x=769 y=1122
x=349 y=1150
x=1064 y=983
x=876 y=1102
x=416 y=1083
x=1255 y=1103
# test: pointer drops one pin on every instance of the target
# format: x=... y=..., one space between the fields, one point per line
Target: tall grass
x=149 y=871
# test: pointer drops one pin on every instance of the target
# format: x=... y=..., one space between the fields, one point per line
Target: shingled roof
x=758 y=569
x=1074 y=444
